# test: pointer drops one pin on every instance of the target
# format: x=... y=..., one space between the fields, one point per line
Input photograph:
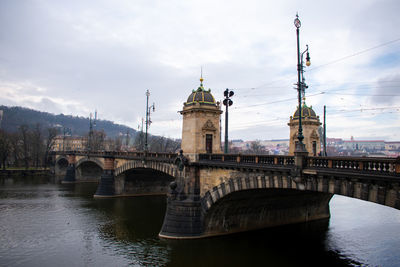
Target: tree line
x=30 y=145
x=27 y=147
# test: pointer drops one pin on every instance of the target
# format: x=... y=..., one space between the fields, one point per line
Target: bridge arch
x=88 y=169
x=140 y=178
x=94 y=160
x=257 y=201
x=61 y=165
x=254 y=202
x=166 y=168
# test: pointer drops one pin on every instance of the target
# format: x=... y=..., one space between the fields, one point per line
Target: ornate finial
x=201 y=76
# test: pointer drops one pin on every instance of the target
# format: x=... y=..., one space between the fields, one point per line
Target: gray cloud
x=390 y=86
x=76 y=56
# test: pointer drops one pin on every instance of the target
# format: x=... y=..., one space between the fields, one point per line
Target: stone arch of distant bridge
x=60 y=166
x=166 y=168
x=136 y=177
x=93 y=160
x=60 y=158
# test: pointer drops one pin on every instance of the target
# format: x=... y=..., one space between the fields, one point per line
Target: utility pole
x=64 y=132
x=227 y=102
x=148 y=121
x=300 y=147
x=325 y=154
x=92 y=123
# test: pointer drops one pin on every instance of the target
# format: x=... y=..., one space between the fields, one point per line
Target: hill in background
x=13 y=117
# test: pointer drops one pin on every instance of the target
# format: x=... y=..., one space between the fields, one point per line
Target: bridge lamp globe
x=227 y=101
x=308 y=62
x=297 y=22
x=226 y=92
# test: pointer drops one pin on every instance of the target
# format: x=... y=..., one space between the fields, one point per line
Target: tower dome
x=306 y=112
x=200 y=95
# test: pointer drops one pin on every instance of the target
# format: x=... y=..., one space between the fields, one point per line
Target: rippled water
x=44 y=224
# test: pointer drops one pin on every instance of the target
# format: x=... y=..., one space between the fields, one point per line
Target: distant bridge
x=226 y=193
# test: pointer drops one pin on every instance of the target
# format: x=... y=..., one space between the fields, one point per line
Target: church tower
x=201 y=123
x=310 y=123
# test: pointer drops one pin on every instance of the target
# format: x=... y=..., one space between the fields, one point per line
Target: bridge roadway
x=225 y=193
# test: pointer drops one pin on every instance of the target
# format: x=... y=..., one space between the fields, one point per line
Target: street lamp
x=148 y=121
x=301 y=86
x=65 y=131
x=92 y=123
x=227 y=102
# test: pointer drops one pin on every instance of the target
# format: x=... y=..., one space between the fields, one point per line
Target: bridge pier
x=70 y=174
x=106 y=186
x=183 y=217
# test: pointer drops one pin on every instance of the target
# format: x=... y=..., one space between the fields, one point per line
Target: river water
x=48 y=224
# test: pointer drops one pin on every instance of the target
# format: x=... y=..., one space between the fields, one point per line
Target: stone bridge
x=118 y=173
x=214 y=194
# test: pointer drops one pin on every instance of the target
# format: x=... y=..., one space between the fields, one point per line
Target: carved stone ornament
x=314 y=135
x=209 y=126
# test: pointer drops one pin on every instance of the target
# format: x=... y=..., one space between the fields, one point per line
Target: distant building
x=69 y=143
x=392 y=146
x=334 y=141
x=367 y=145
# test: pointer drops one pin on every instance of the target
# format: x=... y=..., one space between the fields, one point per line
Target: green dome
x=306 y=112
x=201 y=96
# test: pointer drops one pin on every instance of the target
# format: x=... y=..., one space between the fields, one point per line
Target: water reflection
x=45 y=224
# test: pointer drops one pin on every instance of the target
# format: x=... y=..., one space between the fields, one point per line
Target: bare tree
x=24 y=134
x=257 y=148
x=51 y=134
x=37 y=144
x=15 y=148
x=139 y=141
x=117 y=143
x=98 y=140
x=4 y=148
x=127 y=140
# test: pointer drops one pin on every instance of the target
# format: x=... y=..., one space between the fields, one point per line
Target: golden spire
x=201 y=77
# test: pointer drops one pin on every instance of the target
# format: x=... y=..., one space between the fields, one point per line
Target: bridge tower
x=311 y=123
x=201 y=123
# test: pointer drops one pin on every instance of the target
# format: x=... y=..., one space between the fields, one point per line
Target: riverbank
x=25 y=173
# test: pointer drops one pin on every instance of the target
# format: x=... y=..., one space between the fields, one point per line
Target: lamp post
x=65 y=131
x=301 y=86
x=92 y=123
x=148 y=121
x=227 y=102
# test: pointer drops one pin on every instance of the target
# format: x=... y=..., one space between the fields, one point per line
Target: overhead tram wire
x=274 y=102
x=355 y=54
x=330 y=93
x=326 y=64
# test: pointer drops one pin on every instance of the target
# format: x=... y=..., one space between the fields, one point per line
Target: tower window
x=209 y=143
x=314 y=148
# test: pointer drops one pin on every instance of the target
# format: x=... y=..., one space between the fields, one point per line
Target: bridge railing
x=124 y=154
x=249 y=159
x=376 y=165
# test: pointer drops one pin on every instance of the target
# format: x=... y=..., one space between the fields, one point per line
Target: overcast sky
x=73 y=57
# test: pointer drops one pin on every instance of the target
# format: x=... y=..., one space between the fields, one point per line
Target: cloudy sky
x=73 y=57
